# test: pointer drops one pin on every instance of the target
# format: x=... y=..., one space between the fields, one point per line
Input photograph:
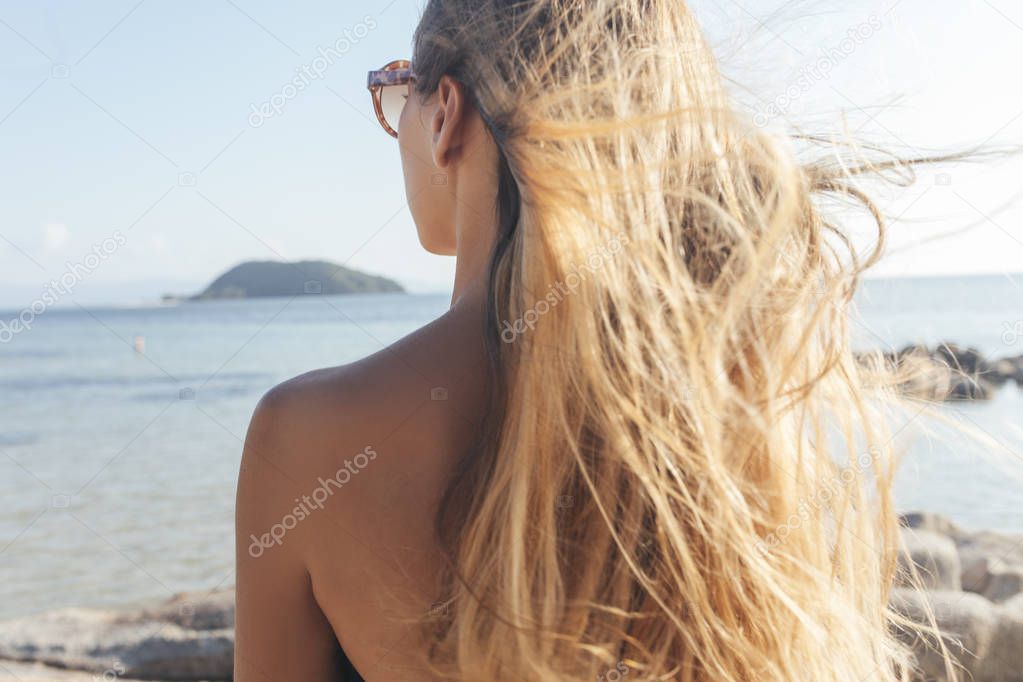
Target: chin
x=436 y=244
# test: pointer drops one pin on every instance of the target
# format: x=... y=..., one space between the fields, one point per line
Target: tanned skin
x=362 y=564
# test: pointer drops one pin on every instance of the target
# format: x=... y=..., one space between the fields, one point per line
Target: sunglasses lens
x=392 y=102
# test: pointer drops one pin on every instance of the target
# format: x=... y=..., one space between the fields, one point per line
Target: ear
x=448 y=125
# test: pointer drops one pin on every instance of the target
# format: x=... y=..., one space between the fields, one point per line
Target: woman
x=608 y=459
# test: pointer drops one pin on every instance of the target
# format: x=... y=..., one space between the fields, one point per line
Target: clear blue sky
x=120 y=115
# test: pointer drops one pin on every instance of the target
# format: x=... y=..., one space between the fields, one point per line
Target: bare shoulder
x=425 y=388
x=340 y=477
x=386 y=429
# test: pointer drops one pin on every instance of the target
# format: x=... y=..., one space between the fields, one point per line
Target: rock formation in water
x=952 y=372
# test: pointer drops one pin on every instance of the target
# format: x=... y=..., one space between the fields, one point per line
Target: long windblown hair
x=684 y=474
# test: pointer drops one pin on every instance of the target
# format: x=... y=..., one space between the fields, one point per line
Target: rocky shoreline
x=974 y=582
x=974 y=585
x=951 y=372
x=188 y=637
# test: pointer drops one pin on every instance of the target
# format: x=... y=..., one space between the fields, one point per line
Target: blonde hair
x=669 y=325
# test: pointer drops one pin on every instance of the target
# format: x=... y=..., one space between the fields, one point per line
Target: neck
x=475 y=234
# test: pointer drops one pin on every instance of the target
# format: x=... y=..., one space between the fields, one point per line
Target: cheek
x=425 y=188
x=414 y=162
x=416 y=169
x=406 y=112
x=409 y=125
x=412 y=133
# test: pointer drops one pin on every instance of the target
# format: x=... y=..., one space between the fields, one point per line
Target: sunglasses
x=389 y=87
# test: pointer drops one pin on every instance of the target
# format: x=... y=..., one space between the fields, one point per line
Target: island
x=261 y=279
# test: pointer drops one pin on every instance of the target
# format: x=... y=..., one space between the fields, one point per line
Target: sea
x=121 y=427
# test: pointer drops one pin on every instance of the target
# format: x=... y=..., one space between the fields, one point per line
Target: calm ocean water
x=117 y=469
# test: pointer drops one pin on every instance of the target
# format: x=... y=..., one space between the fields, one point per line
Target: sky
x=127 y=130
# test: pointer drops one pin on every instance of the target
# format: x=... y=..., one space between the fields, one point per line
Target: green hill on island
x=258 y=279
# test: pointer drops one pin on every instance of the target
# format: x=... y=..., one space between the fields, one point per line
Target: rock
x=1014 y=605
x=197 y=610
x=993 y=578
x=913 y=349
x=190 y=637
x=1018 y=375
x=1009 y=369
x=926 y=379
x=1004 y=662
x=936 y=559
x=1001 y=372
x=991 y=563
x=977 y=573
x=1002 y=546
x=984 y=638
x=930 y=521
x=967 y=361
x=969 y=387
x=968 y=623
x=950 y=371
x=37 y=672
